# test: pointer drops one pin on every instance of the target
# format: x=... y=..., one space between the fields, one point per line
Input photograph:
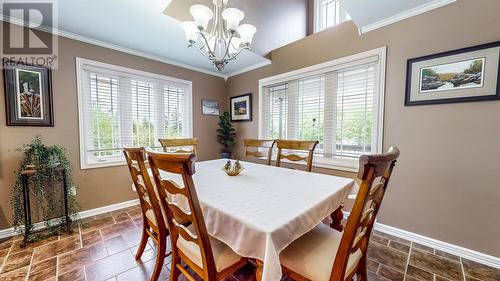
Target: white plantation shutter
x=337 y=106
x=120 y=106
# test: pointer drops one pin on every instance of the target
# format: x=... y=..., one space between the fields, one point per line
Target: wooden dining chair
x=209 y=258
x=325 y=254
x=153 y=225
x=252 y=149
x=180 y=145
x=305 y=146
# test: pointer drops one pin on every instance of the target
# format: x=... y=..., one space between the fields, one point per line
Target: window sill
x=85 y=166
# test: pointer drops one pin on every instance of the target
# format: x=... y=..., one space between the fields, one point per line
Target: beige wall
x=97 y=187
x=447 y=182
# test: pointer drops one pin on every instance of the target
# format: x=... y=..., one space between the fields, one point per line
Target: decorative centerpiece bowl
x=233 y=170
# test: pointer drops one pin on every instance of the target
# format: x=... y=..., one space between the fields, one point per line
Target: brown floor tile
x=422 y=248
x=419 y=274
x=372 y=265
x=479 y=271
x=379 y=239
x=447 y=255
x=375 y=277
x=392 y=238
x=143 y=272
x=117 y=229
x=74 y=275
x=17 y=260
x=121 y=217
x=91 y=237
x=90 y=224
x=56 y=248
x=15 y=275
x=115 y=245
x=390 y=273
x=387 y=256
x=110 y=266
x=81 y=257
x=399 y=246
x=437 y=265
x=44 y=270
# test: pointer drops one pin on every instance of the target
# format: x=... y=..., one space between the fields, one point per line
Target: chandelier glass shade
x=225 y=38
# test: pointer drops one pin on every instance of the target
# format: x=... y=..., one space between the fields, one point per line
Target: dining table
x=265 y=208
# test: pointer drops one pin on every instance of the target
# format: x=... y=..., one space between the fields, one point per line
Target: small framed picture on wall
x=210 y=107
x=241 y=108
x=28 y=95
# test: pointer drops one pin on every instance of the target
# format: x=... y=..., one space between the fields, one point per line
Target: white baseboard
x=437 y=244
x=440 y=245
x=6 y=233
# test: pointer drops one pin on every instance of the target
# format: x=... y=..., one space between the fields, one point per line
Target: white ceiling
x=371 y=14
x=143 y=27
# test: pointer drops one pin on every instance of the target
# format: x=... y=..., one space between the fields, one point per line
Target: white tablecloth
x=264 y=209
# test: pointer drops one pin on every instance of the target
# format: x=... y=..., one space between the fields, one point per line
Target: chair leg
x=362 y=272
x=144 y=242
x=174 y=271
x=160 y=257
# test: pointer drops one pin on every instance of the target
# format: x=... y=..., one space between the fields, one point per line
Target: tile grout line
x=408 y=261
x=462 y=267
x=57 y=268
x=6 y=256
x=30 y=265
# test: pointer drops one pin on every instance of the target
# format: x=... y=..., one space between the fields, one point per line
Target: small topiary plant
x=226 y=134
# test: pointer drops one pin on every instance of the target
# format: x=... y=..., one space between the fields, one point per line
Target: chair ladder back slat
x=136 y=161
x=256 y=144
x=374 y=173
x=303 y=146
x=183 y=164
x=179 y=145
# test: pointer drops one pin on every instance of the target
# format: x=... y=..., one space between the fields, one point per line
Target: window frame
x=336 y=64
x=80 y=63
x=318 y=17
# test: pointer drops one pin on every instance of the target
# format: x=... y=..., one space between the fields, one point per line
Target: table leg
x=258 y=272
x=337 y=217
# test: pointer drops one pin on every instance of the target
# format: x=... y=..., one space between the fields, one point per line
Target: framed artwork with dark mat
x=28 y=95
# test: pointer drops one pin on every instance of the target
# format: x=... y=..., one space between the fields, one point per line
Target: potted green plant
x=226 y=134
x=43 y=160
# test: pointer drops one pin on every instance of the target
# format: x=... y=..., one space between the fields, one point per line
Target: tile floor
x=103 y=248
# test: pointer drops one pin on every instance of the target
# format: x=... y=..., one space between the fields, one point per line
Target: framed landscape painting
x=464 y=75
x=28 y=95
x=241 y=108
x=210 y=107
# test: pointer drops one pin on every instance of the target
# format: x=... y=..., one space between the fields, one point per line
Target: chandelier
x=225 y=39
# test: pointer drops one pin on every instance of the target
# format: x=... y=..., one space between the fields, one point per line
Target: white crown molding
x=437 y=244
x=111 y=46
x=406 y=14
x=249 y=68
x=6 y=233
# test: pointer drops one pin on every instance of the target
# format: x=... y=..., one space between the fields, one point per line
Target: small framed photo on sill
x=241 y=108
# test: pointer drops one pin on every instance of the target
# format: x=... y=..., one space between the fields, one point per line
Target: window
x=339 y=103
x=329 y=13
x=120 y=106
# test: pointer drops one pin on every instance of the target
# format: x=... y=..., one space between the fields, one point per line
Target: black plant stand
x=27 y=206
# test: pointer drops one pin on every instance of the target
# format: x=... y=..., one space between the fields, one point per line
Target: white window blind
x=337 y=106
x=329 y=13
x=120 y=106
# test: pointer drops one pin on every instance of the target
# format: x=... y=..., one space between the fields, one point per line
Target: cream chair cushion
x=224 y=257
x=313 y=254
